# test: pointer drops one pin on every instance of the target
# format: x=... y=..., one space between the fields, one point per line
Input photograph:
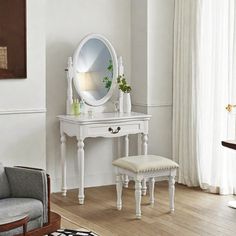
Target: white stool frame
x=138 y=178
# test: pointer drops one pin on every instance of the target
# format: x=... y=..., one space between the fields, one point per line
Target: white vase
x=126 y=103
x=121 y=102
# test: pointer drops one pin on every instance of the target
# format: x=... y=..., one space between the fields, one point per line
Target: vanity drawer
x=114 y=129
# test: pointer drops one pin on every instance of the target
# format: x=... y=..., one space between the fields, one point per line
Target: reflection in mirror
x=94 y=70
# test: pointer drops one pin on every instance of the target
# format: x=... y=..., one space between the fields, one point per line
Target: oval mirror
x=95 y=69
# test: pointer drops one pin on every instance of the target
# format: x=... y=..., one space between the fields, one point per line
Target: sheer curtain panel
x=204 y=82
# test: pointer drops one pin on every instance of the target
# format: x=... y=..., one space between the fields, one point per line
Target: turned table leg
x=126 y=177
x=63 y=164
x=80 y=156
x=145 y=145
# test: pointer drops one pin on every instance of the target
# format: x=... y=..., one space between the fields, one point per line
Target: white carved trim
x=22 y=111
x=159 y=104
x=147 y=174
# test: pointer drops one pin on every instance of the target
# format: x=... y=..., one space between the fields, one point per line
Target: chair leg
x=138 y=195
x=126 y=181
x=151 y=190
x=172 y=192
x=119 y=185
x=144 y=187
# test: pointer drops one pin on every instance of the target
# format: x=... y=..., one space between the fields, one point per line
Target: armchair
x=26 y=191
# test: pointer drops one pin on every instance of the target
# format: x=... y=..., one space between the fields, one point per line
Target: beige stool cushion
x=145 y=163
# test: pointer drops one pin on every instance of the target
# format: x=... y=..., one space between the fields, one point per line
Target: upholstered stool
x=144 y=167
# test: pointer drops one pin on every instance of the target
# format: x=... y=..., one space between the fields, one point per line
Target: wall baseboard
x=95 y=180
x=22 y=111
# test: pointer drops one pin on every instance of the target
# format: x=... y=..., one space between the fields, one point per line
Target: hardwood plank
x=196 y=212
x=78 y=221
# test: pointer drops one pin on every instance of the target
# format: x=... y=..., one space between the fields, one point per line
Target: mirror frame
x=115 y=68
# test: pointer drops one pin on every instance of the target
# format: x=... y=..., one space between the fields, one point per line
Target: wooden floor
x=70 y=224
x=196 y=212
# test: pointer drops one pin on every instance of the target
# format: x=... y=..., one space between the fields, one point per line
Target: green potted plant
x=125 y=93
x=123 y=86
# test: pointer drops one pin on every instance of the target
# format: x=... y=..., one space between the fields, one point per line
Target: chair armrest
x=29 y=183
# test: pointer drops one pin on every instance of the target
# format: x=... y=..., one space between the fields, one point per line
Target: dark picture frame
x=13 y=61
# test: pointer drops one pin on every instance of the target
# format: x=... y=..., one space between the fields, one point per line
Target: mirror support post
x=120 y=72
x=69 y=73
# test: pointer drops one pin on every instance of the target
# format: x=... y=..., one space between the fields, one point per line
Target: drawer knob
x=114 y=131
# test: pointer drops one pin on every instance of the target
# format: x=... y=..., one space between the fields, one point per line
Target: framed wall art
x=13 y=39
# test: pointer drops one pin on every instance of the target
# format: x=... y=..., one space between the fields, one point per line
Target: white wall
x=160 y=56
x=22 y=101
x=153 y=85
x=139 y=54
x=67 y=23
x=160 y=51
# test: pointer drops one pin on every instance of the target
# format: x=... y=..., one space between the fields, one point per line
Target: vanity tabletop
x=106 y=116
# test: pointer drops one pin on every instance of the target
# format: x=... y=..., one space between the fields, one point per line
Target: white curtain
x=204 y=83
x=184 y=90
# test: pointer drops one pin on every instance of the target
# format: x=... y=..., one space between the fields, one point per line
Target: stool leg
x=172 y=192
x=119 y=185
x=138 y=188
x=126 y=181
x=144 y=187
x=151 y=189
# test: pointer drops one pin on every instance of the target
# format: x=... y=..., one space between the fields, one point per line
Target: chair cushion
x=145 y=163
x=29 y=183
x=21 y=206
x=4 y=186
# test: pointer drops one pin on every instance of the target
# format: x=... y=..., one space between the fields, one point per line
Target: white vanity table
x=108 y=125
x=93 y=70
